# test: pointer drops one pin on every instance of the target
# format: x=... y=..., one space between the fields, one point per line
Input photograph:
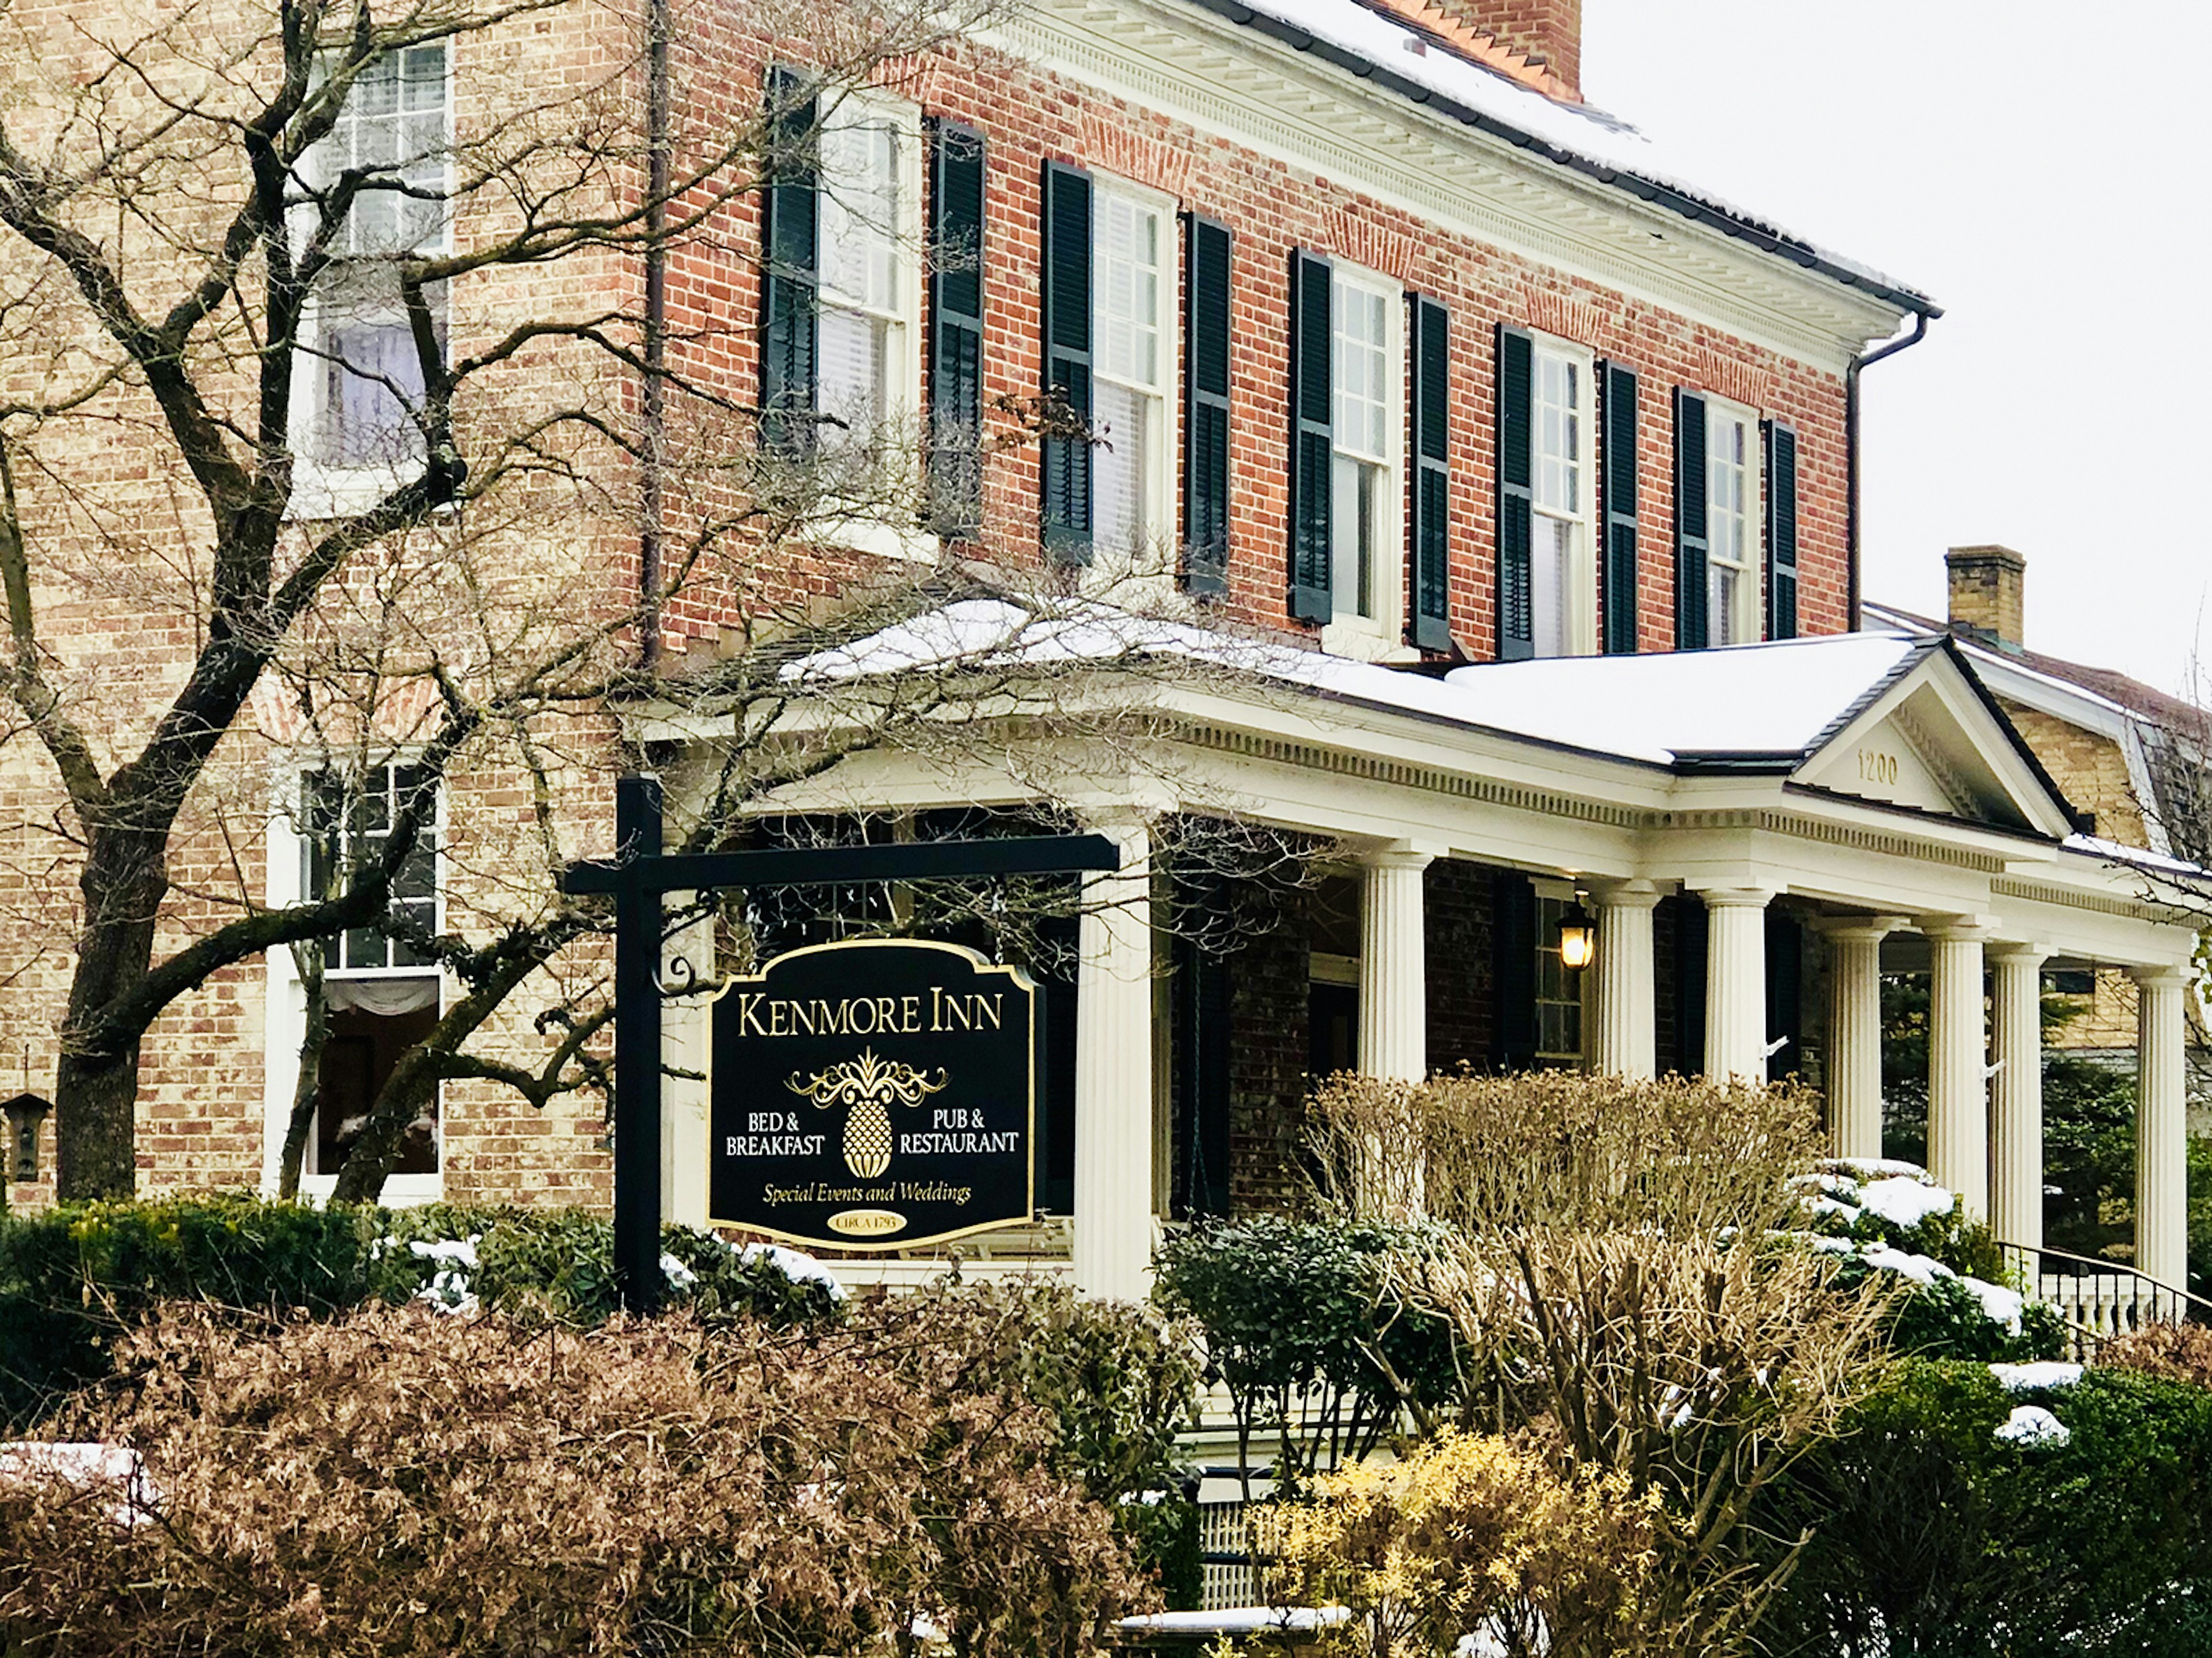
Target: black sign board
x=874 y=1095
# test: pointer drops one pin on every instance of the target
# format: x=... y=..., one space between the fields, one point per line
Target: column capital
x=2160 y=978
x=1625 y=895
x=1959 y=929
x=1735 y=897
x=1398 y=855
x=2032 y=953
x=1857 y=929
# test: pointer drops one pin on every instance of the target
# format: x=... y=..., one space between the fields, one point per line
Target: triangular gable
x=1935 y=741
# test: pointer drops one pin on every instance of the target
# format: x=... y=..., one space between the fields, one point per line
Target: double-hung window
x=1563 y=568
x=1131 y=289
x=359 y=381
x=1718 y=528
x=1732 y=601
x=1348 y=507
x=380 y=985
x=869 y=168
x=1359 y=484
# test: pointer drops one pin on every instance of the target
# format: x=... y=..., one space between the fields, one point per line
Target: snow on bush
x=2032 y=1427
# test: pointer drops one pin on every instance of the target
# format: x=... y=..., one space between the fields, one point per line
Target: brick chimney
x=1548 y=33
x=1986 y=594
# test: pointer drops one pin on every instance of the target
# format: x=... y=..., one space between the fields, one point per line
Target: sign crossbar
x=638 y=878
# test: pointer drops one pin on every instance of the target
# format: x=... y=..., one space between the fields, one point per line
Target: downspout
x=1851 y=450
x=656 y=331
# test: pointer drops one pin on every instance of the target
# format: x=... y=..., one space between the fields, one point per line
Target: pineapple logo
x=867 y=1087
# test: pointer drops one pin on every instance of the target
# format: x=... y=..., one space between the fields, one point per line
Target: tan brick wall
x=2090 y=770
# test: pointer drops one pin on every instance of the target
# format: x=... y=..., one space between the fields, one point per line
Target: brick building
x=1503 y=481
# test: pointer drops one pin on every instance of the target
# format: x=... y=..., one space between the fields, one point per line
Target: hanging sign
x=879 y=1094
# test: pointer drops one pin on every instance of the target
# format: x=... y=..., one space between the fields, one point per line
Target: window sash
x=1561 y=408
x=1362 y=380
x=396 y=123
x=1729 y=470
x=348 y=819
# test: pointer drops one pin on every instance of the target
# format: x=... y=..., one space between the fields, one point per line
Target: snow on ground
x=799 y=1267
x=1239 y=1620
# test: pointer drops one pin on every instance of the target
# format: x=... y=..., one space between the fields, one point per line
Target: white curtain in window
x=385 y=998
x=1117 y=465
x=372 y=378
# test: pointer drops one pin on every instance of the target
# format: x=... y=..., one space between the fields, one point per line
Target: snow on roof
x=1777 y=700
x=1739 y=700
x=1600 y=142
x=2112 y=852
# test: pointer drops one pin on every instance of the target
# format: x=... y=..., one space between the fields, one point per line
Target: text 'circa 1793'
x=878 y=1094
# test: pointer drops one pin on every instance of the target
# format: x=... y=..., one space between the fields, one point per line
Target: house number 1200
x=1877 y=768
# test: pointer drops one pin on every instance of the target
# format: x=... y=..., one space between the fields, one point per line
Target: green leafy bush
x=1932 y=1535
x=1296 y=1307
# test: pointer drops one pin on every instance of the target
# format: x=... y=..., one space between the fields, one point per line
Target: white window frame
x=1579 y=599
x=1154 y=544
x=1553 y=898
x=321 y=489
x=1750 y=618
x=1350 y=633
x=285 y=1008
x=863 y=530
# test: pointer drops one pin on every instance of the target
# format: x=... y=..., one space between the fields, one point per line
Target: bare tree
x=343 y=419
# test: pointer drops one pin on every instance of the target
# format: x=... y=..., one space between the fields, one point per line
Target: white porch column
x=1114 y=1074
x=2161 y=1128
x=2016 y=1007
x=1394 y=982
x=1736 y=984
x=1627 y=1034
x=1958 y=1064
x=1854 y=1052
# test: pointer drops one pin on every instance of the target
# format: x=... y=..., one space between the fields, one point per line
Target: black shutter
x=1067 y=497
x=1616 y=517
x=1313 y=437
x=1205 y=406
x=1781 y=531
x=1691 y=595
x=1692 y=939
x=956 y=331
x=1203 y=1052
x=1432 y=515
x=1517 y=495
x=787 y=316
x=1513 y=970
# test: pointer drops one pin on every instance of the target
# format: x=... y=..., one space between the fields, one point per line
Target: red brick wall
x=1548 y=30
x=1271 y=208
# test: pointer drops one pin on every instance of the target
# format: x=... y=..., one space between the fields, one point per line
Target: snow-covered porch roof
x=1862 y=772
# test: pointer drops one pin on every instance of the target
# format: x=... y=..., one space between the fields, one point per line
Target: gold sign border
x=983 y=965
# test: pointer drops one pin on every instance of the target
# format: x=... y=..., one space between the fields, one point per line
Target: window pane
x=852 y=362
x=1550 y=570
x=1720 y=597
x=1121 y=418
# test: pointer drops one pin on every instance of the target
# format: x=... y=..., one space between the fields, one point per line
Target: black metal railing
x=2100 y=1299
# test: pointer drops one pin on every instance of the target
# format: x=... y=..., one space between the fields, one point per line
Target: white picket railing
x=2101 y=1300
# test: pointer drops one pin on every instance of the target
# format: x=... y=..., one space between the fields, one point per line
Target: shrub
x=1470 y=1535
x=1932 y=1535
x=74 y=1278
x=1303 y=1313
x=393 y=1483
x=2173 y=1353
x=1612 y=1261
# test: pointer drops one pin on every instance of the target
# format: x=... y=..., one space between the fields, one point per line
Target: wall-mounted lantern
x=24 y=1114
x=1578 y=935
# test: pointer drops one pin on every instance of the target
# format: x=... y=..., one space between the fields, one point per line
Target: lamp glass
x=1577 y=936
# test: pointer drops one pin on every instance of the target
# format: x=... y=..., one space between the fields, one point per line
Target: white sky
x=2036 y=169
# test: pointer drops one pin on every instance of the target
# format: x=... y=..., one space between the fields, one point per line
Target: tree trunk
x=96 y=1081
x=308 y=1086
